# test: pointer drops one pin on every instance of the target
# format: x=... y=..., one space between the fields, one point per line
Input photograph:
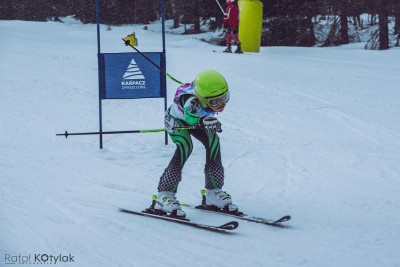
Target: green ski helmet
x=211 y=88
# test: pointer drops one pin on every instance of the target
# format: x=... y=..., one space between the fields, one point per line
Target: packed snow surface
x=310 y=132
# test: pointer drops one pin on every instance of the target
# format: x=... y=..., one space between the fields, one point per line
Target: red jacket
x=231 y=18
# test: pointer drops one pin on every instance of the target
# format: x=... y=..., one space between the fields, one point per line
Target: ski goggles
x=218 y=101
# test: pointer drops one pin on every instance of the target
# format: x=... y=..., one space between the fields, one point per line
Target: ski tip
x=123 y=210
x=229 y=226
x=285 y=218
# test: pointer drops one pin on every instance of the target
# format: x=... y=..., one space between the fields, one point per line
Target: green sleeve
x=190 y=109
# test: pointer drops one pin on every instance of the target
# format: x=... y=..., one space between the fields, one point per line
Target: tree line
x=286 y=22
x=292 y=22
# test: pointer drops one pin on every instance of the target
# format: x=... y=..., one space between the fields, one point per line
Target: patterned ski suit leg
x=213 y=170
x=235 y=32
x=172 y=175
x=232 y=32
x=228 y=37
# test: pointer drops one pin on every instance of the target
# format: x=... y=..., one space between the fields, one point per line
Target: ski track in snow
x=310 y=132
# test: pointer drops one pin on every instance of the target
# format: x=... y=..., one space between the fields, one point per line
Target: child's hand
x=211 y=125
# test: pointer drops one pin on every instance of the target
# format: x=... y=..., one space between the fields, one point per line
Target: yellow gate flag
x=250 y=24
x=131 y=40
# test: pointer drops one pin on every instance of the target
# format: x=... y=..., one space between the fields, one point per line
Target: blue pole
x=98 y=66
x=164 y=63
x=163 y=24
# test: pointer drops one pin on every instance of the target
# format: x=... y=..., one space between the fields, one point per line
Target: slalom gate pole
x=66 y=134
x=128 y=43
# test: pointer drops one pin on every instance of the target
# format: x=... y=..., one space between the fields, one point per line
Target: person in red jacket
x=231 y=24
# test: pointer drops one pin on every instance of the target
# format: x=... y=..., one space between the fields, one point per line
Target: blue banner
x=130 y=76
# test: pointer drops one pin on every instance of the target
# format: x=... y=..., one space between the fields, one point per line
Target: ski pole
x=128 y=43
x=66 y=134
x=223 y=12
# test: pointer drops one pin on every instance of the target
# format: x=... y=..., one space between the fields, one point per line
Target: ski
x=241 y=216
x=217 y=51
x=225 y=228
x=237 y=214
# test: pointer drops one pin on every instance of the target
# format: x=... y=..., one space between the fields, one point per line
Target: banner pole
x=165 y=63
x=98 y=66
x=163 y=23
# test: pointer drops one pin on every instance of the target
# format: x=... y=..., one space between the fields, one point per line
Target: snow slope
x=311 y=132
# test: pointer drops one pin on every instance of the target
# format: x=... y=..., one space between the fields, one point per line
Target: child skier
x=231 y=24
x=195 y=104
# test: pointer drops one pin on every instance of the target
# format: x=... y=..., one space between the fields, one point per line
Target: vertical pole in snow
x=164 y=64
x=98 y=65
x=163 y=25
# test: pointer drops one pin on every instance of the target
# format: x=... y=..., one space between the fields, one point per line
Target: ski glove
x=170 y=123
x=211 y=125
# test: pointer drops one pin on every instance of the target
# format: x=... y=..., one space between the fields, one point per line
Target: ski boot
x=228 y=49
x=239 y=49
x=167 y=203
x=218 y=199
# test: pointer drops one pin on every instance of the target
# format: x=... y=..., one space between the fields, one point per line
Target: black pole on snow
x=66 y=134
x=98 y=69
x=164 y=60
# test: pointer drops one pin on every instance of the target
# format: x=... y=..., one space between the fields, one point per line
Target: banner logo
x=133 y=78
